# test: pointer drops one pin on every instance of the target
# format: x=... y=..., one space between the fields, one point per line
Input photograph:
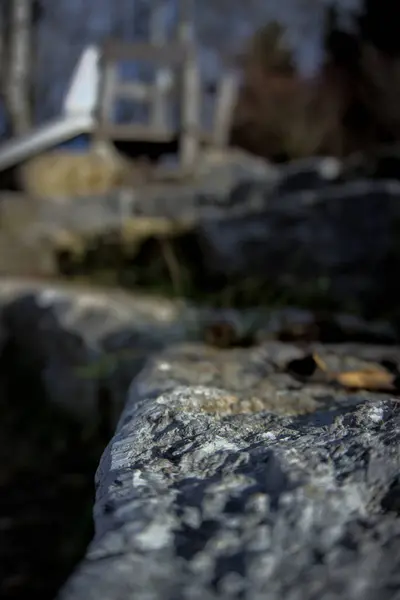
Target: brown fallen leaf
x=320 y=363
x=370 y=378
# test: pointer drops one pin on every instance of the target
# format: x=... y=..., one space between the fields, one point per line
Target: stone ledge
x=205 y=494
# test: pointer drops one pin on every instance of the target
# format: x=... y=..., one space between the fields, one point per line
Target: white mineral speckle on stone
x=376 y=414
x=164 y=366
x=216 y=445
x=154 y=537
x=269 y=436
x=330 y=168
x=137 y=478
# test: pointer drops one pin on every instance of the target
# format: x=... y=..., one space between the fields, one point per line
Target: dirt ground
x=46 y=487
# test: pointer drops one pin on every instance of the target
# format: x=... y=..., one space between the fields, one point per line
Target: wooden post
x=190 y=99
x=163 y=77
x=108 y=84
x=224 y=107
x=185 y=21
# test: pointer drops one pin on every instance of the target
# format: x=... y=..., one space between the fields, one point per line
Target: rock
x=229 y=475
x=229 y=478
x=309 y=174
x=23 y=249
x=81 y=341
x=296 y=233
x=339 y=244
x=85 y=343
x=37 y=230
x=221 y=171
x=89 y=343
x=378 y=163
x=301 y=235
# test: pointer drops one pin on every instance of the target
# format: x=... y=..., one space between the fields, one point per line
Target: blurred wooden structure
x=176 y=81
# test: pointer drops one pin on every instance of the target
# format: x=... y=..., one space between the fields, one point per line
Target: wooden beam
x=169 y=54
x=224 y=107
x=185 y=27
x=191 y=88
x=133 y=90
x=142 y=92
x=135 y=132
x=190 y=114
x=107 y=96
x=158 y=37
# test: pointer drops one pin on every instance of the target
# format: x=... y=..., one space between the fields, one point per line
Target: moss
x=163 y=257
x=177 y=280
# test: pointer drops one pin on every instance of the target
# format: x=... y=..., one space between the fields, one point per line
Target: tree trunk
x=18 y=84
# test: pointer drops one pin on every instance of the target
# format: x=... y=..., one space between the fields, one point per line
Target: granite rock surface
x=230 y=478
x=232 y=473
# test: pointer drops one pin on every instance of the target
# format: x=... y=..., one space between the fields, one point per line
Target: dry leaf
x=321 y=364
x=371 y=378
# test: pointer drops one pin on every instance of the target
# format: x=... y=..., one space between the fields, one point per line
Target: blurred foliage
x=269 y=47
x=279 y=115
x=350 y=105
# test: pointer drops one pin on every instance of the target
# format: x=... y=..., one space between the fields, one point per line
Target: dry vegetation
x=71 y=174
